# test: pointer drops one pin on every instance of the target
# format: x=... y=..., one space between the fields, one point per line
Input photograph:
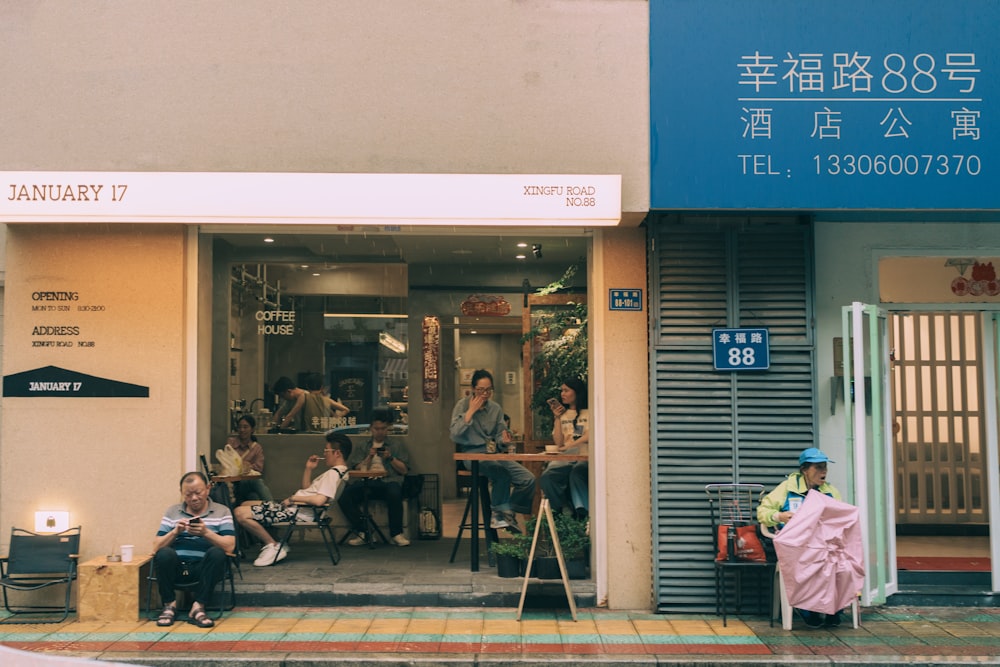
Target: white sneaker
x=267 y=555
x=400 y=541
x=357 y=541
x=283 y=554
x=498 y=520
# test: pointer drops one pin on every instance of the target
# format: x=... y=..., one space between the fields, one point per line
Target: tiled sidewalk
x=358 y=635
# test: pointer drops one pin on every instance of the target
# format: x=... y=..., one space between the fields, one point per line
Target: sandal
x=200 y=618
x=166 y=617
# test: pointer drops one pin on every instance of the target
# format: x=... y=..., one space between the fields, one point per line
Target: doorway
x=939 y=437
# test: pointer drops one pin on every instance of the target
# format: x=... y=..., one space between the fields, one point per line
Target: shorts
x=271 y=512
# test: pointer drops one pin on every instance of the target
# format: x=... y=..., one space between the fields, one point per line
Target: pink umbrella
x=820 y=553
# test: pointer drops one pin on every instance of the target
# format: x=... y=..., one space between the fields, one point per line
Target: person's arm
x=326 y=489
x=458 y=423
x=300 y=401
x=769 y=510
x=166 y=538
x=225 y=542
x=307 y=472
x=255 y=457
x=396 y=457
x=337 y=407
x=557 y=412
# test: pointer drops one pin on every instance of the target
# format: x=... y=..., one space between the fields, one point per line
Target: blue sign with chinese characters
x=784 y=104
x=624 y=299
x=740 y=350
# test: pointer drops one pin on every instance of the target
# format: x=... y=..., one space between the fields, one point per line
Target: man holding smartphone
x=191 y=545
x=381 y=453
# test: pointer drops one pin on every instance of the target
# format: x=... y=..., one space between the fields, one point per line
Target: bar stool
x=485 y=514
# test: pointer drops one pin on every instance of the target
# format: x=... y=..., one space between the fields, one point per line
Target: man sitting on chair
x=255 y=516
x=190 y=545
x=380 y=454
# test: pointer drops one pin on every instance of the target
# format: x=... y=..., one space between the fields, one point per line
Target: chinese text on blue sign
x=790 y=104
x=740 y=349
x=624 y=299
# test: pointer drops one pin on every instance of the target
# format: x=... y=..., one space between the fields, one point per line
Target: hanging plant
x=560 y=338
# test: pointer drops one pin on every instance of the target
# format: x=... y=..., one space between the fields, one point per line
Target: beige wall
x=621 y=455
x=113 y=463
x=482 y=86
x=438 y=86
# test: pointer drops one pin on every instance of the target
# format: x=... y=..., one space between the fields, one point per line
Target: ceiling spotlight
x=536 y=250
x=522 y=244
x=268 y=240
x=519 y=256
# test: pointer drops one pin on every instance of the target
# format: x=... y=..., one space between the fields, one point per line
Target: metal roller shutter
x=711 y=426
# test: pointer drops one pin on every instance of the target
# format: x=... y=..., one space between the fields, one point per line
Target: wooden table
x=521 y=457
x=111 y=591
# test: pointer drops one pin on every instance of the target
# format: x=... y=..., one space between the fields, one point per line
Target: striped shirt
x=189 y=547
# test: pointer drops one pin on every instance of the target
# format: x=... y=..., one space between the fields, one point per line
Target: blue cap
x=813 y=455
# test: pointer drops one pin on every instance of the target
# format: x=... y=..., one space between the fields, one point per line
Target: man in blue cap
x=779 y=506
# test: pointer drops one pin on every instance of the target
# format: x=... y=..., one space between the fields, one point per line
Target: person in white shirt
x=255 y=516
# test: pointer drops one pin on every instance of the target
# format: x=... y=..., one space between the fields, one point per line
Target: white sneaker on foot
x=357 y=541
x=283 y=554
x=400 y=541
x=267 y=555
x=498 y=520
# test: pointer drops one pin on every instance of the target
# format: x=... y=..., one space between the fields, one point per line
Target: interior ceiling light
x=268 y=239
x=316 y=273
x=522 y=244
x=518 y=256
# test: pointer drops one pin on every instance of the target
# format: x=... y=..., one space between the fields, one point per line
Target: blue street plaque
x=740 y=350
x=624 y=299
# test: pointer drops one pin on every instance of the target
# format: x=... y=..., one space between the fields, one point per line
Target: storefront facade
x=831 y=155
x=166 y=152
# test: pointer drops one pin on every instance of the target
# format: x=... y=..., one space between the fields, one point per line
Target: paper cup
x=127 y=553
x=551 y=449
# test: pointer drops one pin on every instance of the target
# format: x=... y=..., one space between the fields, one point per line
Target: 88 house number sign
x=740 y=349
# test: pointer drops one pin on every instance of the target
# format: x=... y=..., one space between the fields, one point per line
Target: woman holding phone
x=565 y=483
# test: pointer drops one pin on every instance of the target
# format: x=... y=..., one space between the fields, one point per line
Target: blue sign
x=624 y=299
x=740 y=350
x=784 y=104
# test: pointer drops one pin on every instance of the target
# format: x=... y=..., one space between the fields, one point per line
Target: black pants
x=390 y=492
x=206 y=571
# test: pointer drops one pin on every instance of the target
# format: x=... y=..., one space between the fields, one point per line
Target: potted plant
x=510 y=554
x=573 y=540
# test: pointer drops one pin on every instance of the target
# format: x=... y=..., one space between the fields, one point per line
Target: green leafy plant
x=516 y=547
x=572 y=533
x=562 y=352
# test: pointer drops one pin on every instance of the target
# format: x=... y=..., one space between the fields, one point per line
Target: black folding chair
x=38 y=561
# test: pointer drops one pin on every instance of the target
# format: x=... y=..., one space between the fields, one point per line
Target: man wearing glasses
x=255 y=515
x=477 y=421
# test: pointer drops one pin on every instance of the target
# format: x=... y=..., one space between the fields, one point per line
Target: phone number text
x=897 y=165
